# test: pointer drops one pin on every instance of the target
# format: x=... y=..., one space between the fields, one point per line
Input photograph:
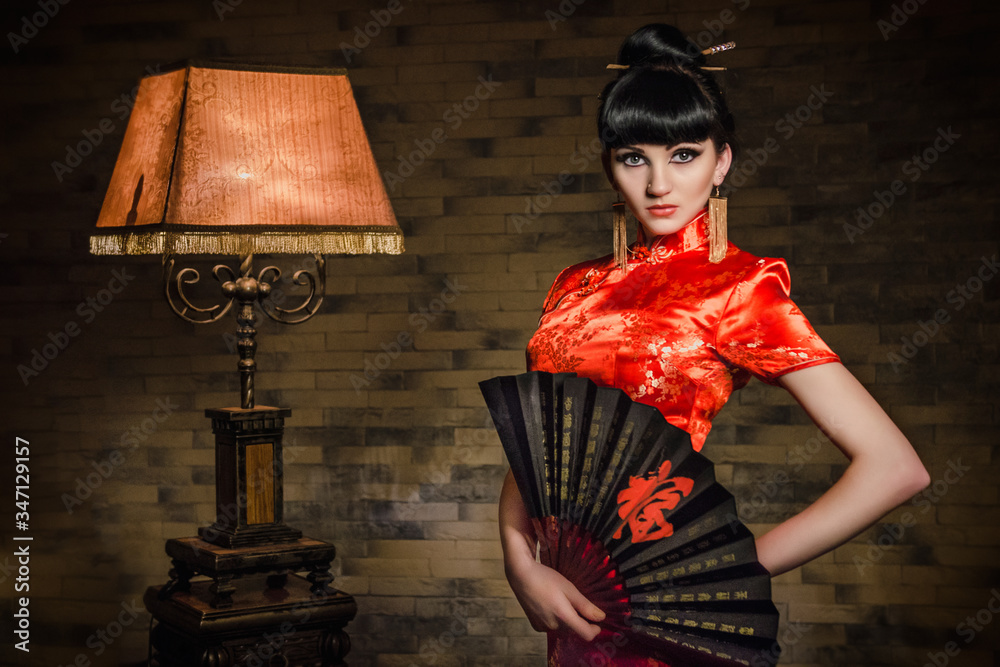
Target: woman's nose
x=659 y=182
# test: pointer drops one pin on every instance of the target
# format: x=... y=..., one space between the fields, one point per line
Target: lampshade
x=235 y=159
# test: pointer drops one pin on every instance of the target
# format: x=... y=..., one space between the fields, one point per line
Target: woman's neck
x=689 y=234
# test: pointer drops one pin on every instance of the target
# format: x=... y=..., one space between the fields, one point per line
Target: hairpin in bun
x=718 y=48
x=712 y=50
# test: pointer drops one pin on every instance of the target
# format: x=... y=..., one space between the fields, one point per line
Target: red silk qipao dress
x=678 y=333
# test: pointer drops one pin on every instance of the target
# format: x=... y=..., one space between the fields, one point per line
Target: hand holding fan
x=625 y=509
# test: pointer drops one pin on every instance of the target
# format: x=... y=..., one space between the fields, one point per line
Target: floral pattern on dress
x=675 y=331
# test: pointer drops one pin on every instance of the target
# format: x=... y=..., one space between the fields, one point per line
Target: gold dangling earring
x=717 y=235
x=620 y=233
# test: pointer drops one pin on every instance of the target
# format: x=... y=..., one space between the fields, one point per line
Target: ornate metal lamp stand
x=249 y=555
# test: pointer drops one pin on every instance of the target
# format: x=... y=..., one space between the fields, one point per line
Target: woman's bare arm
x=549 y=599
x=884 y=470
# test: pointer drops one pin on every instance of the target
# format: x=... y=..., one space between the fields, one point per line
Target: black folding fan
x=625 y=509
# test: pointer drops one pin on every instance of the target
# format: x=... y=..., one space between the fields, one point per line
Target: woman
x=679 y=327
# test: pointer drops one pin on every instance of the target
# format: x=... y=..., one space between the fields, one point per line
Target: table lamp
x=238 y=159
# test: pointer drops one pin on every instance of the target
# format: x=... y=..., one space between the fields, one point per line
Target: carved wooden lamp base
x=192 y=556
x=253 y=609
x=288 y=625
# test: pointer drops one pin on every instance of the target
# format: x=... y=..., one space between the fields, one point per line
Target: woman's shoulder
x=741 y=267
x=577 y=276
x=740 y=277
x=750 y=282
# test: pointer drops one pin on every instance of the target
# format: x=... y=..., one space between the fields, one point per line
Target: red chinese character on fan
x=645 y=501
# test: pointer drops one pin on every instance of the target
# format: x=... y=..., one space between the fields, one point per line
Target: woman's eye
x=631 y=159
x=685 y=156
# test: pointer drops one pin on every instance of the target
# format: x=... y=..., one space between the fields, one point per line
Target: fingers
x=585 y=607
x=582 y=611
x=580 y=626
x=551 y=602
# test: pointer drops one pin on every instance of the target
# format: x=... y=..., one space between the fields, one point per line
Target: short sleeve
x=576 y=277
x=762 y=330
x=556 y=291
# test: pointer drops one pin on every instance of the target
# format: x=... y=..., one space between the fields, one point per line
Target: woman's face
x=666 y=186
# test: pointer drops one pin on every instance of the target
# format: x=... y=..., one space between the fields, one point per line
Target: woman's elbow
x=921 y=478
x=910 y=478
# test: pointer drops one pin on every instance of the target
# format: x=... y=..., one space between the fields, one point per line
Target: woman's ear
x=723 y=161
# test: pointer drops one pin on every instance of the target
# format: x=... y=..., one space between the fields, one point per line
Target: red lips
x=661 y=210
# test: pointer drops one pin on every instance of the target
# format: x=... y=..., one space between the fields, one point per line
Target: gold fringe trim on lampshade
x=717 y=233
x=352 y=241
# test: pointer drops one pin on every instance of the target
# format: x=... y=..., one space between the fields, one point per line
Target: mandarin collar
x=692 y=235
x=689 y=237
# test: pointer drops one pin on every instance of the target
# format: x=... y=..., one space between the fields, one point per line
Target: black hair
x=664 y=97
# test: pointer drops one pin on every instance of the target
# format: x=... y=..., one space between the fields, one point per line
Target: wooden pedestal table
x=253 y=610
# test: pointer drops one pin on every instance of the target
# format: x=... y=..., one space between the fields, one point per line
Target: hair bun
x=663 y=94
x=659 y=44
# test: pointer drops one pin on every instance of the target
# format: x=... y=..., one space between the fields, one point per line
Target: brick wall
x=399 y=468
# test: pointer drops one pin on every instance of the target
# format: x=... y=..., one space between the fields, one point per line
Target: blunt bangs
x=636 y=110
